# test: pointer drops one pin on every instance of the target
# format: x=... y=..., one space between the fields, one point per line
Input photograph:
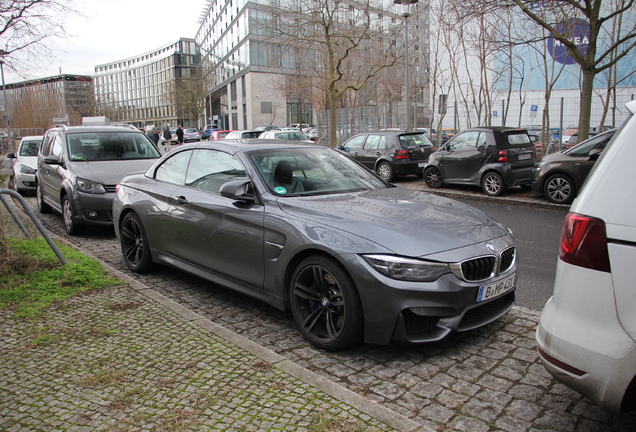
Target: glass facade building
x=141 y=90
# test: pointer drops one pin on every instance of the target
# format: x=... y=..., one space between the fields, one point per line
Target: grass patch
x=33 y=278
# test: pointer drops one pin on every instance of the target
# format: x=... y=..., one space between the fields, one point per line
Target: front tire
x=134 y=244
x=385 y=171
x=68 y=217
x=42 y=206
x=559 y=189
x=325 y=304
x=433 y=178
x=492 y=184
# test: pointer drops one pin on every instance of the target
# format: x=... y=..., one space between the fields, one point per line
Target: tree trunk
x=587 y=91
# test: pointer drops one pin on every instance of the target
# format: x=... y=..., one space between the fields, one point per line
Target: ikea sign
x=575 y=30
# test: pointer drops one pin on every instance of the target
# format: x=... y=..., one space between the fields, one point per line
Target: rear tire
x=492 y=184
x=385 y=171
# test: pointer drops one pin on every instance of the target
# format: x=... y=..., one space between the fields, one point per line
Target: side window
x=57 y=147
x=46 y=145
x=375 y=142
x=355 y=143
x=210 y=169
x=173 y=170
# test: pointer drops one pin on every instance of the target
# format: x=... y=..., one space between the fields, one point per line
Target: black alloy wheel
x=433 y=178
x=134 y=244
x=559 y=189
x=325 y=304
x=492 y=184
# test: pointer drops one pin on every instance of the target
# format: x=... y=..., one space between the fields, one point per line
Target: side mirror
x=11 y=156
x=594 y=153
x=238 y=190
x=51 y=160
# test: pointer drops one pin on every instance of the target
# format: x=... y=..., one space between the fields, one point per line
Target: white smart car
x=25 y=164
x=587 y=334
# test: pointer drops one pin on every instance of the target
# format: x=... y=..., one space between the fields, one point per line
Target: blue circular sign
x=575 y=30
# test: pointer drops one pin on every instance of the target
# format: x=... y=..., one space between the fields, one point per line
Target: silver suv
x=78 y=168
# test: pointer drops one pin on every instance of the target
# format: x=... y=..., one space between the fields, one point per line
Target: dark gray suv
x=79 y=166
x=491 y=157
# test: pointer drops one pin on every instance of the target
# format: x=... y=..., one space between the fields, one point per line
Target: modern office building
x=143 y=90
x=35 y=105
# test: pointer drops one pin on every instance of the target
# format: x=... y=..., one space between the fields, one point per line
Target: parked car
x=574 y=139
x=219 y=134
x=266 y=128
x=305 y=227
x=559 y=176
x=312 y=133
x=302 y=126
x=191 y=134
x=449 y=132
x=206 y=132
x=243 y=134
x=491 y=157
x=586 y=336
x=389 y=153
x=175 y=138
x=535 y=137
x=432 y=135
x=567 y=134
x=295 y=135
x=79 y=166
x=25 y=164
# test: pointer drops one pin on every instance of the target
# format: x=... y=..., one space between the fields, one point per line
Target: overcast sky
x=117 y=29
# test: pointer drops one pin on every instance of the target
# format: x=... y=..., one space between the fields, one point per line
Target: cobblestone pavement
x=485 y=380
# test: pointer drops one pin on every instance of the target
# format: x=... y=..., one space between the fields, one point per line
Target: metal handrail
x=33 y=217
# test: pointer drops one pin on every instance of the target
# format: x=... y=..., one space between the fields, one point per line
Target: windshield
x=103 y=146
x=312 y=171
x=30 y=148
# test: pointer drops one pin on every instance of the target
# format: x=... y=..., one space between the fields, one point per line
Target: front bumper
x=24 y=181
x=415 y=312
x=93 y=209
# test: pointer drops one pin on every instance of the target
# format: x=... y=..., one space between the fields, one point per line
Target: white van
x=587 y=333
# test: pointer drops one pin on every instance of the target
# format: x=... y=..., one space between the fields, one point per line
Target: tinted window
x=518 y=139
x=30 y=148
x=210 y=169
x=414 y=140
x=584 y=148
x=173 y=170
x=355 y=143
x=104 y=146
x=375 y=142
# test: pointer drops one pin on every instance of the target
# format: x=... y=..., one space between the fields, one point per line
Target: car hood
x=110 y=172
x=559 y=157
x=405 y=221
x=30 y=161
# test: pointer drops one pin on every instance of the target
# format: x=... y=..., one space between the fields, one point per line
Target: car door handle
x=182 y=200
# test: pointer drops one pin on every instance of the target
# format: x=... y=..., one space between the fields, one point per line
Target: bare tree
x=189 y=97
x=594 y=53
x=28 y=29
x=344 y=44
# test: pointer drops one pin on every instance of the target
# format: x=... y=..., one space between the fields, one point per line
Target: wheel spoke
x=312 y=319
x=131 y=254
x=305 y=292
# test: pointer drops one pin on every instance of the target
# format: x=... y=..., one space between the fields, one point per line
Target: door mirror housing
x=238 y=190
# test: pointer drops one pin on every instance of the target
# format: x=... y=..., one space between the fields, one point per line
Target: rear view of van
x=587 y=333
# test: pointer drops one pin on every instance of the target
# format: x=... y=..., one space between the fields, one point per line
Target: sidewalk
x=129 y=358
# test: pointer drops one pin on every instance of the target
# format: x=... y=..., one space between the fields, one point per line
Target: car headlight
x=27 y=169
x=407 y=269
x=88 y=186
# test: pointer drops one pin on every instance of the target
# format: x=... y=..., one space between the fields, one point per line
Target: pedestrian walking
x=180 y=134
x=168 y=137
x=154 y=137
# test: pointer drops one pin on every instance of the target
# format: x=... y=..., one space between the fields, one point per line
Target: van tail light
x=402 y=154
x=503 y=156
x=584 y=242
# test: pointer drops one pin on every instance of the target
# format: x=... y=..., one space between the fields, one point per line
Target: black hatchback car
x=390 y=153
x=491 y=157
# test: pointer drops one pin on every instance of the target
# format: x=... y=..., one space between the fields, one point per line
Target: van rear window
x=519 y=139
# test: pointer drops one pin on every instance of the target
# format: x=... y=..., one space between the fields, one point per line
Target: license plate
x=495 y=289
x=523 y=156
x=421 y=164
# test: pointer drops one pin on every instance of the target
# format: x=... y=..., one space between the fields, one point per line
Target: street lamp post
x=6 y=107
x=406 y=13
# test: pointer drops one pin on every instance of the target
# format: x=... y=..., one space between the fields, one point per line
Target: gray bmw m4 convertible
x=306 y=228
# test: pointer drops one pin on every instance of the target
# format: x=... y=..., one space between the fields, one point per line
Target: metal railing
x=33 y=217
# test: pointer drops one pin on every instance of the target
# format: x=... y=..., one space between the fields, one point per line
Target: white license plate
x=495 y=289
x=523 y=156
x=421 y=164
